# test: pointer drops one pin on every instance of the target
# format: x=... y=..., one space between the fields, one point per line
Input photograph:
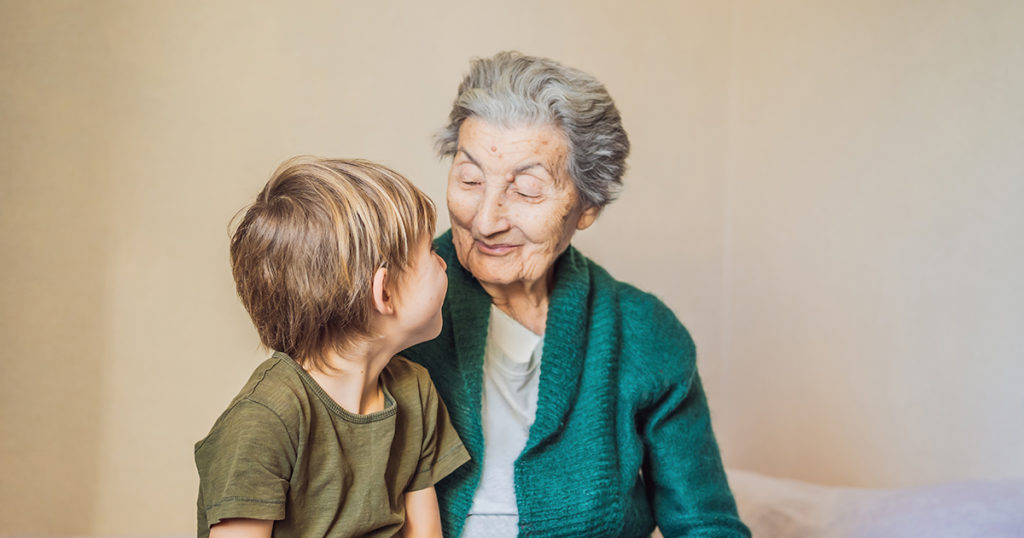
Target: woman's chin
x=495 y=276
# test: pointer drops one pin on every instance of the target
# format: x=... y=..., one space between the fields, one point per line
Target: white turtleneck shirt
x=511 y=378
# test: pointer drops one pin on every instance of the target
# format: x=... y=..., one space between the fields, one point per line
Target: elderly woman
x=577 y=395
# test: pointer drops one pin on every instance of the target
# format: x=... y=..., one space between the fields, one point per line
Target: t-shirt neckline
x=390 y=409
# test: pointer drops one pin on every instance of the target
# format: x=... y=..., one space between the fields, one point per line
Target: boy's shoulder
x=411 y=386
x=277 y=386
x=403 y=374
x=272 y=398
x=276 y=380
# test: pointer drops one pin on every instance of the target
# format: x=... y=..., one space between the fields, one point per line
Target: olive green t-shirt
x=285 y=451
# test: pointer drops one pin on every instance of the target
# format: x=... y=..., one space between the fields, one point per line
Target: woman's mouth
x=494 y=249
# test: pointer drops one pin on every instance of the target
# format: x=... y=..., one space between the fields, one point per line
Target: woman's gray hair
x=512 y=89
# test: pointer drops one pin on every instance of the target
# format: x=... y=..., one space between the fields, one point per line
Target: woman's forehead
x=540 y=136
x=513 y=147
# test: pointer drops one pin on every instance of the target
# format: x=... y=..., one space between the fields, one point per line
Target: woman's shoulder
x=650 y=331
x=639 y=308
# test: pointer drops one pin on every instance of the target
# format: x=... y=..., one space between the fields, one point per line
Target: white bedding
x=774 y=507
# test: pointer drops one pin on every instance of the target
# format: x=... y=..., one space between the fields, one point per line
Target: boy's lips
x=494 y=249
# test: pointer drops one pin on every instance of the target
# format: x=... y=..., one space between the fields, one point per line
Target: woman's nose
x=491 y=215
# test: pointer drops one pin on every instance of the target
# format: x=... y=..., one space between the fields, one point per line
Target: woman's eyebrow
x=518 y=170
x=470 y=157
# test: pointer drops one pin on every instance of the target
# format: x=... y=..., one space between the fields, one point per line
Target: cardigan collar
x=565 y=337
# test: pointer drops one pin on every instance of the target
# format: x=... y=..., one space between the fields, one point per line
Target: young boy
x=333 y=435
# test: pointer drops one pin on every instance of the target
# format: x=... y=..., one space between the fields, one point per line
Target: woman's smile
x=494 y=249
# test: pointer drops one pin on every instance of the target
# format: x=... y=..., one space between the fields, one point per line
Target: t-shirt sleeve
x=442 y=450
x=245 y=464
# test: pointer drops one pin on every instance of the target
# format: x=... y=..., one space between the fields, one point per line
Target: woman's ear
x=381 y=297
x=588 y=217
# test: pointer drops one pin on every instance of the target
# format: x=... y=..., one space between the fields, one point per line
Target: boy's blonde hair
x=305 y=252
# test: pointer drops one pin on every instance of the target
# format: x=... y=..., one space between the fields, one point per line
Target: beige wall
x=54 y=260
x=825 y=197
x=874 y=242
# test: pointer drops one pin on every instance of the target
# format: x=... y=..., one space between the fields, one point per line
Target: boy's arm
x=422 y=517
x=244 y=465
x=242 y=528
x=441 y=453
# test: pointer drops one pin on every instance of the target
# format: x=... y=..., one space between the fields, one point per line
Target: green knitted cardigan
x=622 y=438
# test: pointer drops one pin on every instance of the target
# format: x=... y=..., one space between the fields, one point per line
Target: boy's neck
x=353 y=377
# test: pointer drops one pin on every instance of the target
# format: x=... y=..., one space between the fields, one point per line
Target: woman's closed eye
x=527 y=187
x=470 y=175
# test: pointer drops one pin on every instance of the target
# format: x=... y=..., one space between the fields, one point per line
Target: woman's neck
x=525 y=302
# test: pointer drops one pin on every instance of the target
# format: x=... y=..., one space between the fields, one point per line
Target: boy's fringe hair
x=304 y=253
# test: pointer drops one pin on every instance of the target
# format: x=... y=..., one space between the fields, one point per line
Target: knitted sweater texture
x=622 y=438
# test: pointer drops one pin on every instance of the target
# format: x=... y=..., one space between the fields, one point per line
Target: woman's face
x=512 y=203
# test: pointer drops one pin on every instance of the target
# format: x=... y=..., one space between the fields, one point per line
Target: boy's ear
x=381 y=298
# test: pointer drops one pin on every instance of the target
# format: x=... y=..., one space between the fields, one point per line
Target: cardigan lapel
x=565 y=337
x=542 y=493
x=565 y=344
x=469 y=307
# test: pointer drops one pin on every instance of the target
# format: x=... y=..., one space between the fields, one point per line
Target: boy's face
x=420 y=294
